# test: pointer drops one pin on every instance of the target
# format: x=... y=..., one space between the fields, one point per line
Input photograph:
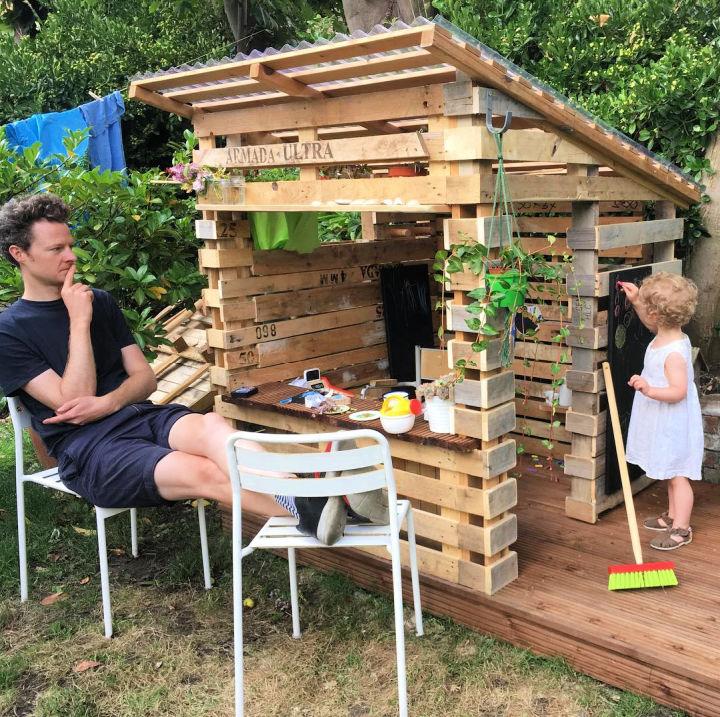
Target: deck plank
x=664 y=643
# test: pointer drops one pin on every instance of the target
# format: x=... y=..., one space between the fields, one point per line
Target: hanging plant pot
x=402 y=170
x=511 y=284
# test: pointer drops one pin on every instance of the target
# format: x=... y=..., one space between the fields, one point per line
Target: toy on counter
x=397 y=414
x=316 y=382
x=335 y=389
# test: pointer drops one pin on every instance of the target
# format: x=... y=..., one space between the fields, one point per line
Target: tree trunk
x=365 y=14
x=704 y=265
x=236 y=13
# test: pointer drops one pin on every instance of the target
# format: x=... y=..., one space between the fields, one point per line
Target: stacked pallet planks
x=288 y=312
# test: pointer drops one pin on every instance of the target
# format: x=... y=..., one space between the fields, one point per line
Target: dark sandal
x=667 y=542
x=655 y=524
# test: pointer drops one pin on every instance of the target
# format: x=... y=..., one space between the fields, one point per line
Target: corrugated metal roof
x=247 y=91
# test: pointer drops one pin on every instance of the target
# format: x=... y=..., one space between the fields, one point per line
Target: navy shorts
x=111 y=463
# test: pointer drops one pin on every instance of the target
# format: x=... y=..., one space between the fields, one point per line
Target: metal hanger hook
x=489 y=120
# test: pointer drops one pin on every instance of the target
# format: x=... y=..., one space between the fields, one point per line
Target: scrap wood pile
x=182 y=368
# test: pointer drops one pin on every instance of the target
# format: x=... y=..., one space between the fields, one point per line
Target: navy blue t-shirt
x=34 y=337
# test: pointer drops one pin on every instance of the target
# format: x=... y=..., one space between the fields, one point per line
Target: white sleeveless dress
x=666 y=439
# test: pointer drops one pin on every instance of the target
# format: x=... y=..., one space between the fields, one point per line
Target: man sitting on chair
x=67 y=353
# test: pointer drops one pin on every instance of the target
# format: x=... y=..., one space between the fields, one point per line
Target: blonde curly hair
x=672 y=298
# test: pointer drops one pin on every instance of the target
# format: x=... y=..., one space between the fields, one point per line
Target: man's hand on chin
x=82 y=410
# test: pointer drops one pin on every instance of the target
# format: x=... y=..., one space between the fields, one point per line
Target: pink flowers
x=192 y=177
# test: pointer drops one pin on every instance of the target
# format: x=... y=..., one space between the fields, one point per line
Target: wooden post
x=229 y=254
x=585 y=456
x=664 y=251
x=501 y=565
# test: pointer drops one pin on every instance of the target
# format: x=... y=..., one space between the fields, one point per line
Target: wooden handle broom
x=639 y=575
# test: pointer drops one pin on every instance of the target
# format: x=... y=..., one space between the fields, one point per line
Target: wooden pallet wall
x=592 y=238
x=534 y=358
x=286 y=312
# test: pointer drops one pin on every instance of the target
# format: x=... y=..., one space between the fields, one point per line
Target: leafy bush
x=339 y=226
x=133 y=237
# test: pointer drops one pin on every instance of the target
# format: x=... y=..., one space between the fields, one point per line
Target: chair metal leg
x=292 y=570
x=104 y=576
x=133 y=532
x=414 y=574
x=399 y=624
x=22 y=540
x=204 y=544
x=237 y=605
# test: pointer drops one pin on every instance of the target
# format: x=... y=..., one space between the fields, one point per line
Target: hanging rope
x=503 y=226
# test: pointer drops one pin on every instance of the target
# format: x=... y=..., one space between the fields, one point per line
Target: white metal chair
x=372 y=469
x=49 y=479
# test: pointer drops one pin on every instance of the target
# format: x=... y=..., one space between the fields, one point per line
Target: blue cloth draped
x=106 y=145
x=49 y=129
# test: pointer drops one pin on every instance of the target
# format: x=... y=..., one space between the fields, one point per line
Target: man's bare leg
x=182 y=476
x=204 y=436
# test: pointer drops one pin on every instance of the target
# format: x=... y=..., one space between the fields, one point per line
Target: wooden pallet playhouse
x=419 y=95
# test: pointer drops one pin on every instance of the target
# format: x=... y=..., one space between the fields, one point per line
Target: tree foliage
x=651 y=68
x=96 y=46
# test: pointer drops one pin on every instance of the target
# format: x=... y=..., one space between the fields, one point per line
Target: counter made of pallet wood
x=461 y=493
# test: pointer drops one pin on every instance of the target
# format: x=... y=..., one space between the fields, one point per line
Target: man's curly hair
x=19 y=214
x=672 y=298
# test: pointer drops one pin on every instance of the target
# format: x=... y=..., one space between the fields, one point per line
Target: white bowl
x=398 y=424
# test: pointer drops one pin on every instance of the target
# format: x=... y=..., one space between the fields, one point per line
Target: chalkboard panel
x=408 y=316
x=627 y=340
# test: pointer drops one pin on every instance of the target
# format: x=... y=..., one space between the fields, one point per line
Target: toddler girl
x=665 y=437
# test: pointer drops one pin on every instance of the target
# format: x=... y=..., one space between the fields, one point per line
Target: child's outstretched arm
x=676 y=375
x=633 y=294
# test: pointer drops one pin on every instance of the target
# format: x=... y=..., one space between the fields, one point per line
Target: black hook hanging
x=488 y=117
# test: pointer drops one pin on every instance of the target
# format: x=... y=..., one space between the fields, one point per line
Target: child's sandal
x=656 y=524
x=667 y=542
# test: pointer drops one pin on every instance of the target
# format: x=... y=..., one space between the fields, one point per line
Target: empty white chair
x=49 y=479
x=371 y=467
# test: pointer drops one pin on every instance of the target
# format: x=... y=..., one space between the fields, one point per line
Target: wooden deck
x=664 y=643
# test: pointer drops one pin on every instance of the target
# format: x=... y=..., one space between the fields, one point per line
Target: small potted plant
x=439 y=402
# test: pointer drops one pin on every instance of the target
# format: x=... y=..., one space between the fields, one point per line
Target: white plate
x=364 y=416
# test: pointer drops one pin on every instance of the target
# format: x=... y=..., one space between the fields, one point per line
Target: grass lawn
x=172 y=653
